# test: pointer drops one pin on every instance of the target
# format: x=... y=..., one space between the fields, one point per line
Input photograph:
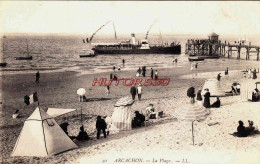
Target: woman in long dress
x=206 y=103
x=199 y=98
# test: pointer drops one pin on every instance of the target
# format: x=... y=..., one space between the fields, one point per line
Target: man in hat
x=101 y=125
x=133 y=92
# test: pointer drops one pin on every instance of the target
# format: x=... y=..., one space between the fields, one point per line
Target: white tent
x=55 y=112
x=214 y=88
x=41 y=136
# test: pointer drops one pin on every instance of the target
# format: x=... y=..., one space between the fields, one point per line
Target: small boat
x=195 y=59
x=3 y=64
x=90 y=54
x=28 y=57
x=24 y=58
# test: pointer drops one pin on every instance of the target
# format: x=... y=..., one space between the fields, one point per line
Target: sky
x=77 y=17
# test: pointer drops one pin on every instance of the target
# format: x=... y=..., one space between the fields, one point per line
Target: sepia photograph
x=151 y=82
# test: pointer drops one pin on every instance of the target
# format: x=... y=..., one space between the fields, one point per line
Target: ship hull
x=152 y=50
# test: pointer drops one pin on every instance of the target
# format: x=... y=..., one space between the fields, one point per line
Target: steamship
x=131 y=47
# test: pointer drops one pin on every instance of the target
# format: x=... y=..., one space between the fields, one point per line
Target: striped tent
x=214 y=88
x=191 y=112
x=247 y=87
x=122 y=117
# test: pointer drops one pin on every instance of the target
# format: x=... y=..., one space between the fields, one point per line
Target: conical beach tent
x=41 y=136
x=214 y=88
x=121 y=116
x=191 y=112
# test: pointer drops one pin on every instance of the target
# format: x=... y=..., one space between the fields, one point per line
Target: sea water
x=61 y=53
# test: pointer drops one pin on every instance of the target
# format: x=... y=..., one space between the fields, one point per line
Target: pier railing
x=209 y=48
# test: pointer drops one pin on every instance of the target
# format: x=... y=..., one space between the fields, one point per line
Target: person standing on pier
x=37 y=77
x=152 y=73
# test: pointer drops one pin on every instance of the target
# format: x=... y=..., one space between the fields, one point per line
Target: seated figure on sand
x=255 y=95
x=82 y=136
x=243 y=131
x=216 y=104
x=138 y=120
x=151 y=114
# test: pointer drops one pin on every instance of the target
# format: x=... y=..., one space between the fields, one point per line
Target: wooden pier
x=214 y=47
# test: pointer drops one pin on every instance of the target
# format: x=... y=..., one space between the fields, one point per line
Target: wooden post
x=247 y=53
x=194 y=48
x=225 y=50
x=192 y=133
x=203 y=46
x=257 y=57
x=228 y=51
x=238 y=52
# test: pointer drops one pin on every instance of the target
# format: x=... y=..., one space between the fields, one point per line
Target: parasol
x=214 y=88
x=124 y=101
x=191 y=113
x=81 y=91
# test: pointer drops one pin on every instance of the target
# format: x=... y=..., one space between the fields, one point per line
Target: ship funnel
x=133 y=39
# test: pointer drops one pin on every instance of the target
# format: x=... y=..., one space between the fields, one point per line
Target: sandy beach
x=167 y=139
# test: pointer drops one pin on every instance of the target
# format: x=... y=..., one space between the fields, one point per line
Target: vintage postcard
x=130 y=82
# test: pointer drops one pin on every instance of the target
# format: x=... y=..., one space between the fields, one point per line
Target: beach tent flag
x=191 y=112
x=214 y=87
x=41 y=136
x=121 y=116
x=30 y=99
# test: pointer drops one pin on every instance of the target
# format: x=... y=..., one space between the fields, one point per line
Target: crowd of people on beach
x=206 y=102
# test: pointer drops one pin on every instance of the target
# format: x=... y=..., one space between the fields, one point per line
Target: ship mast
x=88 y=41
x=115 y=31
x=146 y=36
